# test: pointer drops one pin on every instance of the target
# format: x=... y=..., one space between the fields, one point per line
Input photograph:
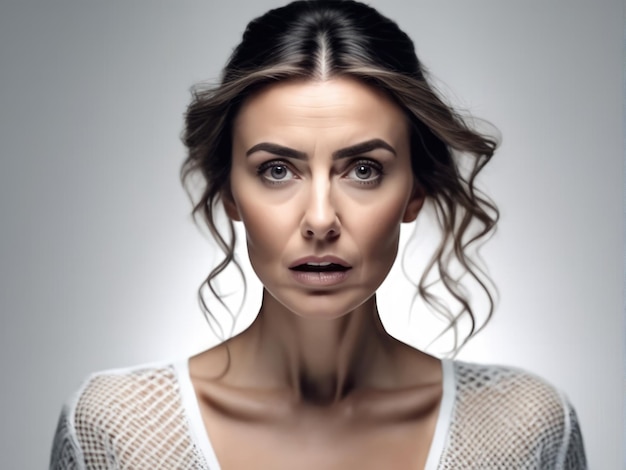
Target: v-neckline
x=191 y=409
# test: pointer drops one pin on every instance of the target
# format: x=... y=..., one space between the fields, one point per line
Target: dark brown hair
x=321 y=39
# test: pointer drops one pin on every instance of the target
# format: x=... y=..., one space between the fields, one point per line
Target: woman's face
x=321 y=178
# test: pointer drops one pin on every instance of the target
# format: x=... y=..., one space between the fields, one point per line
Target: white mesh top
x=147 y=417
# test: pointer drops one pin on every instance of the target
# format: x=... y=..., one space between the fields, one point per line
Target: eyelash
x=271 y=164
x=374 y=165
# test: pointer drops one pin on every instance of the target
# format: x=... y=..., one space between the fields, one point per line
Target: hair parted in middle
x=319 y=40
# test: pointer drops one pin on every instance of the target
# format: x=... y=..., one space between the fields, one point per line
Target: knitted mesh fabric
x=133 y=421
x=506 y=418
x=502 y=418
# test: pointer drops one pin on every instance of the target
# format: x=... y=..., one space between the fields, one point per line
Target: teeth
x=325 y=263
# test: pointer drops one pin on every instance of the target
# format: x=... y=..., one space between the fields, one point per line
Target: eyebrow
x=352 y=151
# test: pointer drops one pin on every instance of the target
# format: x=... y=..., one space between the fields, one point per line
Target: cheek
x=260 y=219
x=378 y=232
x=266 y=231
x=381 y=237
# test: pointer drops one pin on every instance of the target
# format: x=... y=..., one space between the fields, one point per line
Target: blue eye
x=366 y=172
x=363 y=172
x=275 y=172
x=278 y=172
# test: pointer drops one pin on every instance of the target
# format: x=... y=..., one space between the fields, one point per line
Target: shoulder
x=516 y=418
x=508 y=389
x=510 y=399
x=132 y=418
x=124 y=390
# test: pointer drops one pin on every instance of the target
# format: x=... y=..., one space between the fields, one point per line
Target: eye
x=363 y=172
x=275 y=172
x=366 y=172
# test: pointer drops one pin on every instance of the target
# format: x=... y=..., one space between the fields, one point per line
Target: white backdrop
x=99 y=261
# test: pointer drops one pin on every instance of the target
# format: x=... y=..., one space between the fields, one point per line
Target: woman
x=322 y=138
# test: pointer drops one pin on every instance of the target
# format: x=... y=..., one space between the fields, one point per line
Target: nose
x=320 y=220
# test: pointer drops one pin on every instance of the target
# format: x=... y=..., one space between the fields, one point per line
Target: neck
x=321 y=360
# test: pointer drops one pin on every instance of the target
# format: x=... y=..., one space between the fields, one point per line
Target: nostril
x=328 y=234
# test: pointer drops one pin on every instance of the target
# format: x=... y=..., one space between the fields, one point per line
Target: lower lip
x=322 y=278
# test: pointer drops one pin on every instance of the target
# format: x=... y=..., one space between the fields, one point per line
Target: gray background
x=99 y=260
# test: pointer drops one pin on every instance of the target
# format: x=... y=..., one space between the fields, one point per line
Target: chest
x=319 y=443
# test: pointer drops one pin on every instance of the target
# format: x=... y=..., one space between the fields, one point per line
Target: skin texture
x=316 y=381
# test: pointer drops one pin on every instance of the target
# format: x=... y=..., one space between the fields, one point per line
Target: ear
x=415 y=203
x=230 y=206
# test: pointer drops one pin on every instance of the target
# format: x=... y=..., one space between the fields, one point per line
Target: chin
x=325 y=305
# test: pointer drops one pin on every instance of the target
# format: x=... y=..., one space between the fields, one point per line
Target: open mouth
x=320 y=267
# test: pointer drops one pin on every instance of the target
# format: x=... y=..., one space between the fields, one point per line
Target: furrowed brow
x=363 y=147
x=278 y=150
x=352 y=151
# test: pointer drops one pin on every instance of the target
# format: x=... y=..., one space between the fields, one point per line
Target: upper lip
x=320 y=259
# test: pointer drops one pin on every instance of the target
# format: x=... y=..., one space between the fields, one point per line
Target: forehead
x=340 y=104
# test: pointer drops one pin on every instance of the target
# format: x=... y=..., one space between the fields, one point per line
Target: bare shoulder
x=211 y=364
x=415 y=368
